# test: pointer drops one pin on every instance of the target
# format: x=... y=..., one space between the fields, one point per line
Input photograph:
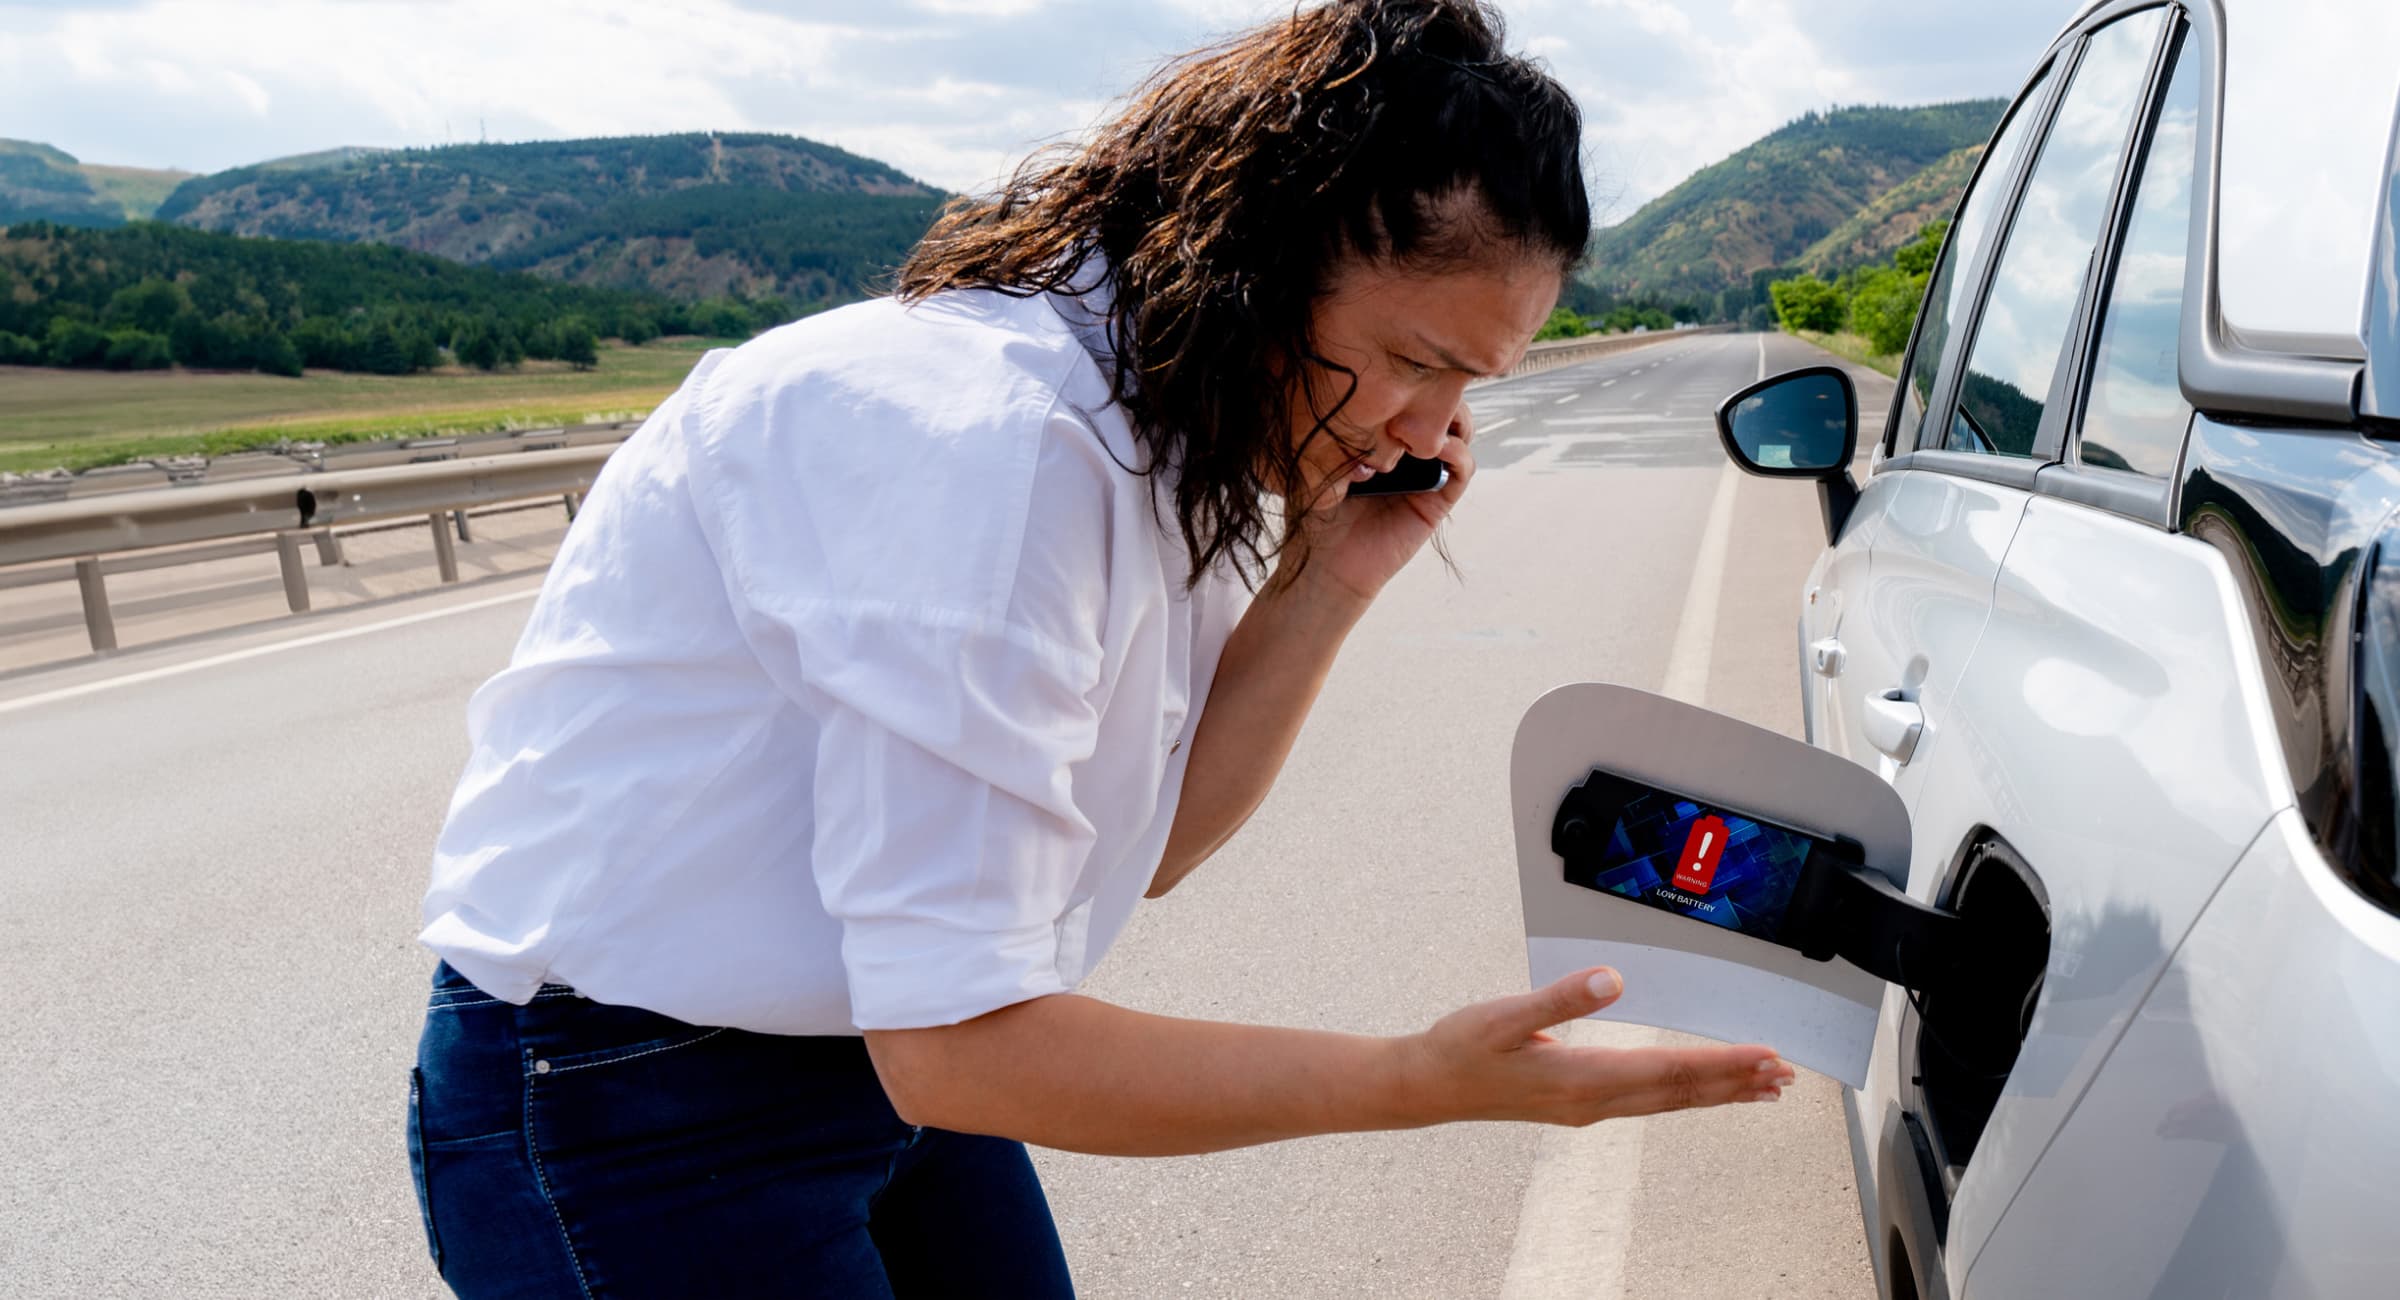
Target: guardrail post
x=329 y=548
x=295 y=576
x=574 y=503
x=461 y=517
x=445 y=552
x=96 y=618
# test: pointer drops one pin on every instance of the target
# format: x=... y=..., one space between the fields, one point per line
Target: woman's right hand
x=1496 y=1060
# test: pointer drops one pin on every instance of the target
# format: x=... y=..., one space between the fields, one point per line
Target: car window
x=2049 y=245
x=1966 y=240
x=2135 y=416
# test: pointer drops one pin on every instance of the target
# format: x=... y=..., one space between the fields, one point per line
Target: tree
x=576 y=343
x=76 y=342
x=137 y=350
x=423 y=352
x=1884 y=305
x=1564 y=323
x=18 y=350
x=474 y=345
x=1917 y=256
x=278 y=355
x=323 y=342
x=187 y=338
x=722 y=318
x=385 y=349
x=1628 y=316
x=151 y=305
x=1808 y=303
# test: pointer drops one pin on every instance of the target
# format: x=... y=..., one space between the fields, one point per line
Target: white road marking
x=1577 y=1224
x=1546 y=453
x=253 y=652
x=1568 y=398
x=1696 y=632
x=1577 y=1220
x=1496 y=425
x=1606 y=382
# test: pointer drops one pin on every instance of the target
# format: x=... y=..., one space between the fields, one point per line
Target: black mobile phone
x=1412 y=474
x=1682 y=855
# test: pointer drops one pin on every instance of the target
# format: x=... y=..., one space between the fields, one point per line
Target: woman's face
x=1413 y=340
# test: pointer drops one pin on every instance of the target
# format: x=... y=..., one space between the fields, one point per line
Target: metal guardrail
x=285 y=509
x=294 y=458
x=251 y=503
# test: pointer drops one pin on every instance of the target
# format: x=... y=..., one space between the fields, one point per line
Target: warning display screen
x=1682 y=856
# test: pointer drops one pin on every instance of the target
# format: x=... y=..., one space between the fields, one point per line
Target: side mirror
x=1800 y=424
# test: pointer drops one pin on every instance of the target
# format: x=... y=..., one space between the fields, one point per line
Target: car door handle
x=1826 y=657
x=1893 y=724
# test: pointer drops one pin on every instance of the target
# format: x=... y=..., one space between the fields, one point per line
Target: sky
x=953 y=92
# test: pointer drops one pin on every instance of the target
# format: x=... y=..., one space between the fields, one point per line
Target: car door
x=2104 y=737
x=1895 y=602
x=2120 y=690
x=1991 y=386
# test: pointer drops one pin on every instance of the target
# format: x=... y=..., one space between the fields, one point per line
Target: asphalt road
x=210 y=856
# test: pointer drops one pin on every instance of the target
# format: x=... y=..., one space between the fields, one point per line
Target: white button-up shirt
x=858 y=696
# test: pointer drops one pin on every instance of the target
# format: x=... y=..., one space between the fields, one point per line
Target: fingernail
x=1785 y=1081
x=1769 y=1064
x=1763 y=1096
x=1605 y=984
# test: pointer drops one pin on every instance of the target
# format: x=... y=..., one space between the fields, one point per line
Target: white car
x=2116 y=612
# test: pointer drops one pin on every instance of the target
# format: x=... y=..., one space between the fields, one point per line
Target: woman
x=865 y=700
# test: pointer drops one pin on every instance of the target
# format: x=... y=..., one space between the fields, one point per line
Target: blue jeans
x=571 y=1149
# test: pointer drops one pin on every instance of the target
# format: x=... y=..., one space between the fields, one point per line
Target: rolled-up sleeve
x=948 y=843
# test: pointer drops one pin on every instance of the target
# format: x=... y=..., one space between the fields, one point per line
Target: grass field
x=81 y=418
x=1852 y=347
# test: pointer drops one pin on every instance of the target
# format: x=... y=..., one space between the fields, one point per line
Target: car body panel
x=1911 y=609
x=1912 y=625
x=2113 y=729
x=1841 y=572
x=2293 y=510
x=2241 y=1139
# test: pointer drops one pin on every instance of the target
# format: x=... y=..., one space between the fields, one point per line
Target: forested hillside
x=1895 y=216
x=143 y=295
x=691 y=216
x=1770 y=203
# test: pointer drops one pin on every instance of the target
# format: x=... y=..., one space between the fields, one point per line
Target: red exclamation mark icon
x=1701 y=853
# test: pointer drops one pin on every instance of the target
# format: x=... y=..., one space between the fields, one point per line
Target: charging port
x=1969 y=1031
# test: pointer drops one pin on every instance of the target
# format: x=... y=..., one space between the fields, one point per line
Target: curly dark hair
x=1228 y=192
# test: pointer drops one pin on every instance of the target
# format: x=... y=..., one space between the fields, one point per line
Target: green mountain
x=41 y=183
x=1895 y=216
x=1777 y=199
x=692 y=216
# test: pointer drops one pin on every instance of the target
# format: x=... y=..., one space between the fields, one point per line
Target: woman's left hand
x=1359 y=543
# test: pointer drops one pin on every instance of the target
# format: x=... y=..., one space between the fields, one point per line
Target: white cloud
x=953 y=91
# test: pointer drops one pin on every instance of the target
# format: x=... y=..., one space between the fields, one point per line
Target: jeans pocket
x=416 y=1162
x=574 y=1034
